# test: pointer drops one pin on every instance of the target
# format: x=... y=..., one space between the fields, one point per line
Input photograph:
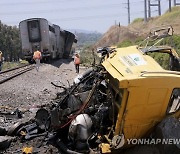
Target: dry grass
x=9 y=65
x=138 y=28
x=169 y=18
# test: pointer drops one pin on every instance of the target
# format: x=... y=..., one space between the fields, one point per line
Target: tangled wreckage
x=124 y=97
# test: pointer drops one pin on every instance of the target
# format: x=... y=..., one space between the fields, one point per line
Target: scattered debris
x=5 y=142
x=169 y=128
x=106 y=105
x=27 y=150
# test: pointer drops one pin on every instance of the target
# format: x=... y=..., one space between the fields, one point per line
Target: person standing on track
x=37 y=57
x=1 y=60
x=77 y=62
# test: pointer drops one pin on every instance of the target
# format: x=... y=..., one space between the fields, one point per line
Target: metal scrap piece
x=14 y=128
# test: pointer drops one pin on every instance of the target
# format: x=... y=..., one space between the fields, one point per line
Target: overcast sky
x=91 y=15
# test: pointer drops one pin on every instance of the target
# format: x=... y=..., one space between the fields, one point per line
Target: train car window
x=34 y=31
x=34 y=24
x=51 y=29
x=174 y=103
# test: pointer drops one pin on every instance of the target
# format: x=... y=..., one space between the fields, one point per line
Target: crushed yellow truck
x=144 y=92
x=124 y=98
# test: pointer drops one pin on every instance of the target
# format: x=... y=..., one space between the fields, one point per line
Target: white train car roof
x=31 y=19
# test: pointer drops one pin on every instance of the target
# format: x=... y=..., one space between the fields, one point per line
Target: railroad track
x=12 y=73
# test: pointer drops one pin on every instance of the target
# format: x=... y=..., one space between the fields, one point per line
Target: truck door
x=145 y=107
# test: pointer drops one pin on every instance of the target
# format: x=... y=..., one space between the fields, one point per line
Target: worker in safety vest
x=1 y=60
x=77 y=62
x=37 y=57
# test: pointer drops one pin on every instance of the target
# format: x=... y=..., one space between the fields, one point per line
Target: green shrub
x=9 y=65
x=162 y=59
x=88 y=58
x=137 y=20
x=125 y=43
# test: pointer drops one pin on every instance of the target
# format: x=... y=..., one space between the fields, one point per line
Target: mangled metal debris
x=5 y=142
x=124 y=97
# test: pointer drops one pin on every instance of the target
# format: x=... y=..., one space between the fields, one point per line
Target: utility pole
x=118 y=31
x=145 y=10
x=129 y=18
x=157 y=5
x=169 y=5
x=175 y=3
x=149 y=9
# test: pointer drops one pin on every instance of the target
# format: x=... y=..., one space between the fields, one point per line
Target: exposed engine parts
x=78 y=119
x=122 y=99
x=84 y=111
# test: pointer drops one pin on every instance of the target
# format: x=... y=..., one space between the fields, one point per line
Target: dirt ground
x=35 y=87
x=32 y=89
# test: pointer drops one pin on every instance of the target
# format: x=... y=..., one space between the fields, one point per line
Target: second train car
x=50 y=39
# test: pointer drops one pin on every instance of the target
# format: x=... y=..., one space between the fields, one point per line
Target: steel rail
x=16 y=74
x=12 y=69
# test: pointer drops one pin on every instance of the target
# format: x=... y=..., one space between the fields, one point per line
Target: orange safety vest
x=76 y=60
x=0 y=57
x=37 y=55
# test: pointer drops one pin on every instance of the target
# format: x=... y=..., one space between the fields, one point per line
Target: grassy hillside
x=169 y=18
x=85 y=39
x=138 y=29
x=124 y=36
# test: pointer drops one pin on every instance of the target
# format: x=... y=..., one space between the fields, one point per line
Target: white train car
x=60 y=40
x=38 y=33
x=69 y=40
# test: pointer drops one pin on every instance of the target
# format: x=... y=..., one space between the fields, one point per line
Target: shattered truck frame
x=124 y=97
x=144 y=93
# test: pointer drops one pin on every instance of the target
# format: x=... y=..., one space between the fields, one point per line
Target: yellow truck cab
x=144 y=93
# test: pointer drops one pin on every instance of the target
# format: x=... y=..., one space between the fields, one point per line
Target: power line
x=129 y=13
x=34 y=2
x=55 y=10
x=176 y=3
x=80 y=18
x=90 y=17
x=150 y=4
x=141 y=1
x=45 y=2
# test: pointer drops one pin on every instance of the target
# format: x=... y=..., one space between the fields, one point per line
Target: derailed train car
x=50 y=39
x=59 y=41
x=69 y=39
